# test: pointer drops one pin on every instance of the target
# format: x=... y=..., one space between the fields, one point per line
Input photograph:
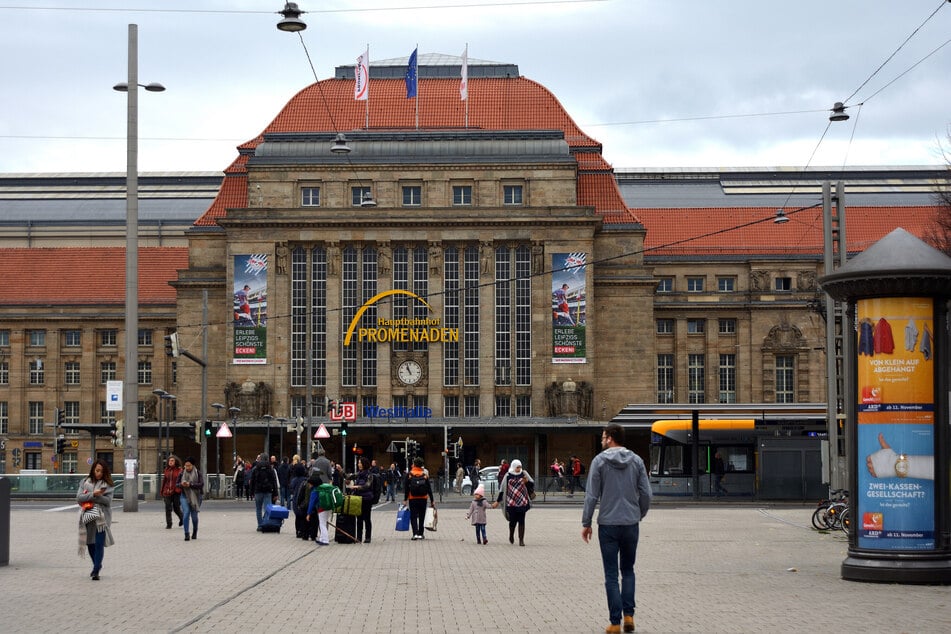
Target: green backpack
x=329 y=497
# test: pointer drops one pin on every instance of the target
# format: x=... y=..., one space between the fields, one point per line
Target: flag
x=464 y=85
x=361 y=72
x=412 y=77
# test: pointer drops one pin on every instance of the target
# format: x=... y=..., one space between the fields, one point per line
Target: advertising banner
x=250 y=309
x=568 y=307
x=895 y=416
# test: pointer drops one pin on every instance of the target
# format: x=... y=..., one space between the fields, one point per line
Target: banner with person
x=250 y=309
x=568 y=307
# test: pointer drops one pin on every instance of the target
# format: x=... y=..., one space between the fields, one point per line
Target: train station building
x=452 y=268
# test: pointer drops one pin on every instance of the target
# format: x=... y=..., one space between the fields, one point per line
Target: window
x=503 y=405
x=412 y=195
x=145 y=373
x=359 y=194
x=37 y=374
x=72 y=338
x=696 y=326
x=471 y=404
x=462 y=195
x=665 y=378
x=783 y=284
x=71 y=373
x=36 y=417
x=107 y=338
x=785 y=375
x=36 y=338
x=107 y=371
x=4 y=418
x=523 y=405
x=450 y=406
x=665 y=285
x=145 y=337
x=310 y=196
x=727 y=326
x=4 y=338
x=71 y=412
x=105 y=416
x=695 y=284
x=726 y=284
x=728 y=378
x=4 y=372
x=695 y=378
x=512 y=194
x=665 y=326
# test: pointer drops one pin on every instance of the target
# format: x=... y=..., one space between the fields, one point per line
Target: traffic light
x=60 y=416
x=343 y=428
x=208 y=429
x=60 y=444
x=198 y=431
x=118 y=441
x=171 y=345
x=113 y=433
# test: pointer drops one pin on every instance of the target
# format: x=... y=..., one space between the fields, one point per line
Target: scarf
x=193 y=494
x=515 y=491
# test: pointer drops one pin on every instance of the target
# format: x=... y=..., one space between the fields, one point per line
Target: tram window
x=655 y=459
x=737 y=458
x=673 y=460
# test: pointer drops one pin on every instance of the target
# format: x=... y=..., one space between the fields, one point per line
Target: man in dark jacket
x=264 y=486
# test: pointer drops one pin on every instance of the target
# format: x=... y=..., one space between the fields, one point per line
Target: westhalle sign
x=407 y=330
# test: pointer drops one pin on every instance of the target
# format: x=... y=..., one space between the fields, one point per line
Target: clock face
x=409 y=372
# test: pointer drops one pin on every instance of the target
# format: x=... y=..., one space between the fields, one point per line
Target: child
x=477 y=513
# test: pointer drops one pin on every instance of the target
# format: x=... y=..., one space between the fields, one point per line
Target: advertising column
x=896 y=418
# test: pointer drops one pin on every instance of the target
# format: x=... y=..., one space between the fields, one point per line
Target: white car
x=489 y=477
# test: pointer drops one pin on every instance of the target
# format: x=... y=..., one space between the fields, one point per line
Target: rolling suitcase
x=274 y=516
x=346 y=529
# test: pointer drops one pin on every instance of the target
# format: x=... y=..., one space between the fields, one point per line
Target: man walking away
x=264 y=485
x=718 y=472
x=618 y=480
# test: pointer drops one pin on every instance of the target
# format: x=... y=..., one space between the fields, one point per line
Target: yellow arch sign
x=375 y=299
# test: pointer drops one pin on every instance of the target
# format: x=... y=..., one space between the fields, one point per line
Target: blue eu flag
x=411 y=75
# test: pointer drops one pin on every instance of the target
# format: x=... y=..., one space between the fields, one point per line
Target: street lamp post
x=283 y=424
x=267 y=435
x=234 y=411
x=218 y=407
x=130 y=496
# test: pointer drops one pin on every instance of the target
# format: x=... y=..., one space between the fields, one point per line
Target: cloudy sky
x=661 y=83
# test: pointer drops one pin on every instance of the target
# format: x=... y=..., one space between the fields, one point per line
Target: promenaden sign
x=401 y=330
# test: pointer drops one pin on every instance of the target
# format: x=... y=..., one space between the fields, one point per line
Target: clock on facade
x=409 y=372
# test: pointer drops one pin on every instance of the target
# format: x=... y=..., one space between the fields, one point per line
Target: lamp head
x=781 y=217
x=340 y=144
x=291 y=22
x=838 y=112
x=368 y=201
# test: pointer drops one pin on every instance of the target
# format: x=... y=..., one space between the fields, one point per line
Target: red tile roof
x=513 y=103
x=751 y=230
x=88 y=275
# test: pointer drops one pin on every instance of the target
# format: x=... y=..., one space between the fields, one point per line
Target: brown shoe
x=628 y=623
x=613 y=629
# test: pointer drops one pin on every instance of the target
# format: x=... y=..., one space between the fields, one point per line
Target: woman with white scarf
x=515 y=494
x=95 y=500
x=192 y=485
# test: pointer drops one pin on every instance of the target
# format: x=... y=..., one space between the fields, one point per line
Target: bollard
x=4 y=521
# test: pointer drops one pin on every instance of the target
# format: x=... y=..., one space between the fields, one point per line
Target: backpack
x=376 y=485
x=418 y=484
x=302 y=499
x=329 y=497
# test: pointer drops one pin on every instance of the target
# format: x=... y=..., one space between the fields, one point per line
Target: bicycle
x=828 y=515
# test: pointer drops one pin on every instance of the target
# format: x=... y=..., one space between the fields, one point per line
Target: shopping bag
x=431 y=519
x=402 y=518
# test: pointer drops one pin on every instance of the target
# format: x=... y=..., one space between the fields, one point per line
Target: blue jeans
x=260 y=501
x=96 y=551
x=189 y=513
x=618 y=551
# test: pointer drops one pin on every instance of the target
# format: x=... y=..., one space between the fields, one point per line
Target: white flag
x=361 y=72
x=464 y=85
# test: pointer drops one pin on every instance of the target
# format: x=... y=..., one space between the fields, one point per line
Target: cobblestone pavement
x=704 y=568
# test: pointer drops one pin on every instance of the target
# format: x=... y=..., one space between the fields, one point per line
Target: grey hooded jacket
x=618 y=479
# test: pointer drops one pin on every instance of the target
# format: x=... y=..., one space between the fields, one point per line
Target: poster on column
x=250 y=309
x=568 y=307
x=895 y=416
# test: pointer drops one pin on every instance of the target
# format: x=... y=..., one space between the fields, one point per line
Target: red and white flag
x=464 y=85
x=361 y=87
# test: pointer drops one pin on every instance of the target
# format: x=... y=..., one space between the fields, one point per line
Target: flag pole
x=465 y=79
x=367 y=101
x=416 y=79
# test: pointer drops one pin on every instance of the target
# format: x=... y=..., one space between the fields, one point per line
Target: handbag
x=402 y=518
x=431 y=519
x=91 y=515
x=87 y=505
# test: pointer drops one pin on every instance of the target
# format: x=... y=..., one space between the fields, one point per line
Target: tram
x=769 y=451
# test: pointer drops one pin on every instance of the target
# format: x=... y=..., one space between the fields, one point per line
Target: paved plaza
x=701 y=568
